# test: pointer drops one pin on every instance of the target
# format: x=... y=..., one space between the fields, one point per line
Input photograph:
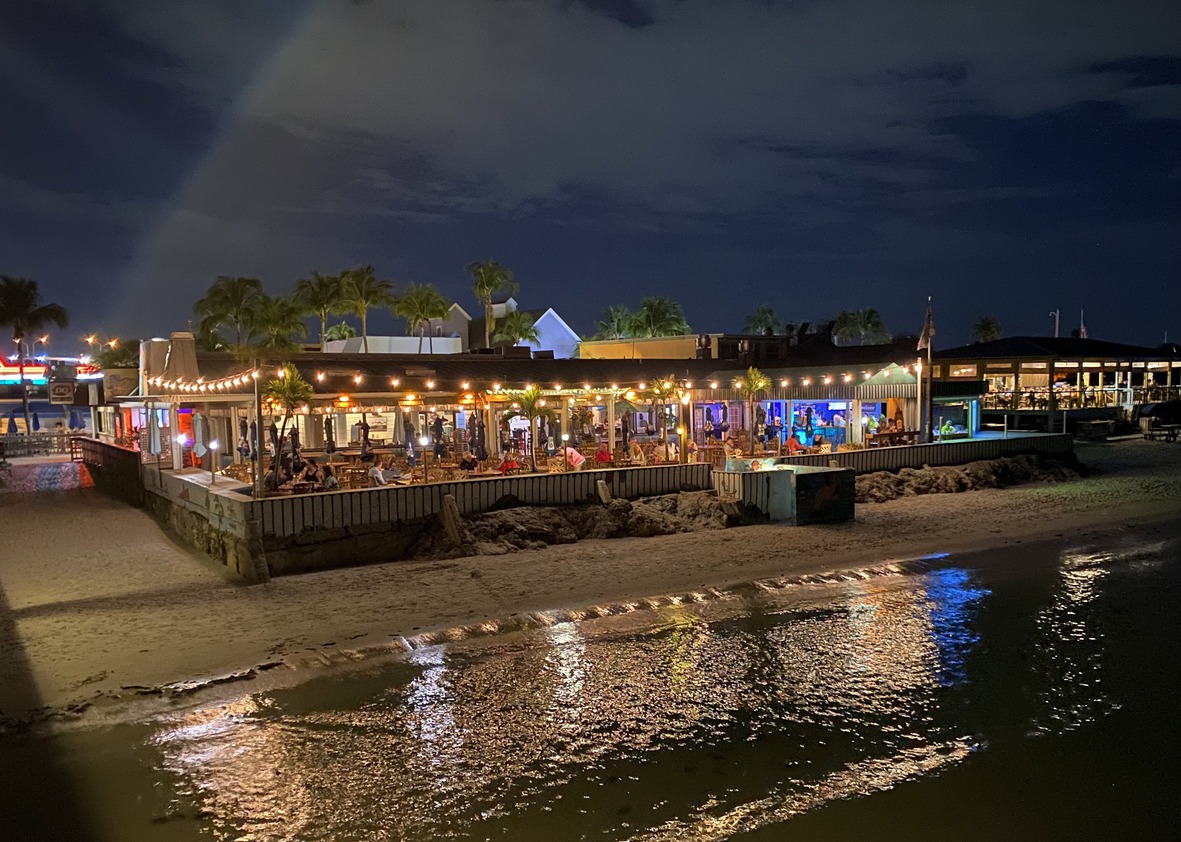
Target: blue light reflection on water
x=953 y=598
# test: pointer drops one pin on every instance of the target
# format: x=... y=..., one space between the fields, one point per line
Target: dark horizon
x=1007 y=160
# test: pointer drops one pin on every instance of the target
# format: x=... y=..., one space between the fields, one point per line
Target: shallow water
x=1018 y=694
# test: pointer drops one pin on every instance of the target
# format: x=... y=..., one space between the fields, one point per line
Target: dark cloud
x=810 y=155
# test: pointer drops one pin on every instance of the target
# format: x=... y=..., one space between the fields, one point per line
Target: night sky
x=1008 y=157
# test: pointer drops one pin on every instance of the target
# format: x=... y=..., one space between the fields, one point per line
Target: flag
x=1082 y=326
x=928 y=328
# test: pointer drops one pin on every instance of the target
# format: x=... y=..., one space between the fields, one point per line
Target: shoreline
x=100 y=619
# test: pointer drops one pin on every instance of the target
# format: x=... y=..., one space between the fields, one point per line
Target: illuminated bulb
x=463 y=385
x=713 y=385
x=430 y=384
x=642 y=386
x=394 y=381
x=320 y=376
x=586 y=387
x=557 y=387
x=807 y=382
x=357 y=379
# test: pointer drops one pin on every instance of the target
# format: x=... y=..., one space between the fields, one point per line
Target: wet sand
x=94 y=598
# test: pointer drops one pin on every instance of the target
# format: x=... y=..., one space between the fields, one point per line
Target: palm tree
x=661 y=393
x=517 y=327
x=749 y=385
x=986 y=329
x=659 y=315
x=321 y=295
x=489 y=278
x=530 y=404
x=275 y=321
x=288 y=391
x=22 y=309
x=616 y=323
x=763 y=322
x=419 y=305
x=363 y=292
x=341 y=330
x=863 y=325
x=229 y=302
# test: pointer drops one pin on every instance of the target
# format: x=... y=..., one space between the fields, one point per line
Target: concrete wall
x=799 y=494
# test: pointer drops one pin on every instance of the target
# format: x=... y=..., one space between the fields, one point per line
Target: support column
x=611 y=424
x=177 y=450
x=856 y=431
x=1051 y=400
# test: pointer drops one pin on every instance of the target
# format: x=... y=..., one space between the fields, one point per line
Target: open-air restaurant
x=368 y=420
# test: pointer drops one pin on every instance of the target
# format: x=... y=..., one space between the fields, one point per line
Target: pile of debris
x=990 y=473
x=520 y=527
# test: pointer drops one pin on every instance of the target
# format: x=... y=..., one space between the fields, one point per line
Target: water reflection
x=694 y=722
x=1070 y=657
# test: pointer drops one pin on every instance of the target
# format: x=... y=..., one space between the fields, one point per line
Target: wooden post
x=611 y=424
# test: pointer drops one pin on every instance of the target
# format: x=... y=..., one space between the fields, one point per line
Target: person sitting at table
x=691 y=451
x=286 y=474
x=603 y=454
x=636 y=453
x=510 y=463
x=329 y=478
x=468 y=462
x=574 y=460
x=311 y=472
x=376 y=474
x=794 y=446
x=947 y=428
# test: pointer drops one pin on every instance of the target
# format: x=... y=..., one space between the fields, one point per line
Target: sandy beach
x=95 y=598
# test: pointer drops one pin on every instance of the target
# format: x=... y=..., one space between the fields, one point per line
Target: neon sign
x=35 y=374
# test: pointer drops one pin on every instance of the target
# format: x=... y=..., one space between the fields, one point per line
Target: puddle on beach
x=1018 y=694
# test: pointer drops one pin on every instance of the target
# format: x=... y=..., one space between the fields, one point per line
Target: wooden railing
x=35 y=444
x=116 y=470
x=291 y=515
x=943 y=453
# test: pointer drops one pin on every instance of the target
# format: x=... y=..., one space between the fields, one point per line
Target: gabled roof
x=1043 y=347
x=552 y=312
x=475 y=329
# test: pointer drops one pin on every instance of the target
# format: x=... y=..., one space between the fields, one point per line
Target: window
x=962 y=371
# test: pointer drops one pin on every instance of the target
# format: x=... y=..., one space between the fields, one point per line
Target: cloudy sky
x=1008 y=157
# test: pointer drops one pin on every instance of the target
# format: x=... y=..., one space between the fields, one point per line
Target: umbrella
x=73 y=422
x=364 y=433
x=399 y=431
x=11 y=424
x=273 y=432
x=198 y=435
x=295 y=445
x=36 y=422
x=479 y=444
x=253 y=439
x=153 y=432
x=330 y=433
x=243 y=438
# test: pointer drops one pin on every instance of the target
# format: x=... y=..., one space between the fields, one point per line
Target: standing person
x=574 y=459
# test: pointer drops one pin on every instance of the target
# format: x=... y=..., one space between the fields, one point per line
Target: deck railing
x=115 y=469
x=943 y=453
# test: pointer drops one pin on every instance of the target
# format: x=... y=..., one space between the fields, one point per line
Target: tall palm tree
x=530 y=404
x=365 y=292
x=517 y=327
x=864 y=326
x=489 y=278
x=288 y=392
x=22 y=310
x=275 y=322
x=763 y=322
x=229 y=302
x=986 y=329
x=616 y=323
x=419 y=305
x=659 y=315
x=750 y=385
x=321 y=295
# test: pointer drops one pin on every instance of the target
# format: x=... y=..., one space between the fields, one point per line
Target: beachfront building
x=1044 y=383
x=829 y=396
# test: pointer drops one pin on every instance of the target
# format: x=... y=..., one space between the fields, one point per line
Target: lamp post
x=565 y=454
x=213 y=446
x=424 y=441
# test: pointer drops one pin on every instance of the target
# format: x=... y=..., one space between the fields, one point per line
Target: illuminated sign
x=35 y=374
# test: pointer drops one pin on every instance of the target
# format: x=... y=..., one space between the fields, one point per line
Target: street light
x=213 y=446
x=565 y=454
x=424 y=441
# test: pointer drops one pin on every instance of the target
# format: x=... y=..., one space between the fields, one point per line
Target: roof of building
x=1063 y=347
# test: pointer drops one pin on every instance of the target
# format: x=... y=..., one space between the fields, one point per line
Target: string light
x=202 y=385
